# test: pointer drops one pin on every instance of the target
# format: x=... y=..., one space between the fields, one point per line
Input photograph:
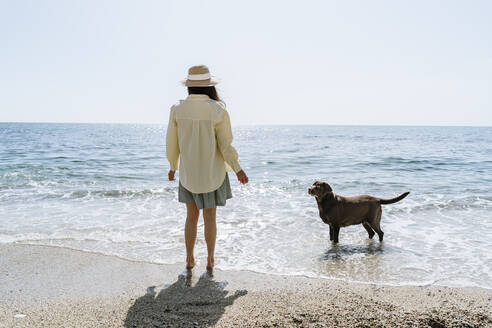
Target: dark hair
x=209 y=91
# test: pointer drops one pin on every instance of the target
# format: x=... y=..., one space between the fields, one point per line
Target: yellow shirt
x=199 y=137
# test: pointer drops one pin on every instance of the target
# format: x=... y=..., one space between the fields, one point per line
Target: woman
x=199 y=135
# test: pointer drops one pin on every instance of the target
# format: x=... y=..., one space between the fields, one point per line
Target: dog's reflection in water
x=340 y=252
x=182 y=303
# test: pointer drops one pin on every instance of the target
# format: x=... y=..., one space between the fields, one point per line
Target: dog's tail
x=393 y=200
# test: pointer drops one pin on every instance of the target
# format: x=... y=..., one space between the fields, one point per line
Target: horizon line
x=252 y=124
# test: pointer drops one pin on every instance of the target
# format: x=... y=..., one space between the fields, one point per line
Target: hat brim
x=201 y=83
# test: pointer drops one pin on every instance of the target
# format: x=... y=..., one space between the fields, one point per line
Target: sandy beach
x=58 y=287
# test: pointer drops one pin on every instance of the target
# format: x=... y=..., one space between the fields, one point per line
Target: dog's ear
x=329 y=195
x=326 y=187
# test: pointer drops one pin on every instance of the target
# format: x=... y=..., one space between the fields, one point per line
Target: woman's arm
x=223 y=133
x=172 y=147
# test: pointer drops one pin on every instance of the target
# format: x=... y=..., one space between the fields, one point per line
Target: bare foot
x=190 y=263
x=210 y=264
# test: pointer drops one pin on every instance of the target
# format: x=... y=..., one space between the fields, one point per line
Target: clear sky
x=281 y=62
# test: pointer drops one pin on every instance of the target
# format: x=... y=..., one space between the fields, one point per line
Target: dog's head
x=320 y=189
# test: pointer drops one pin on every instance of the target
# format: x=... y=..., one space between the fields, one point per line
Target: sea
x=103 y=188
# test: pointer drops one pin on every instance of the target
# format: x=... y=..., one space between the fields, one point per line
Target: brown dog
x=339 y=211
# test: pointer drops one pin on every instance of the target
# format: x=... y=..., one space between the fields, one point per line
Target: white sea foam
x=276 y=231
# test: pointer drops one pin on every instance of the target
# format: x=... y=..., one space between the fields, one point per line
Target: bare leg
x=210 y=234
x=192 y=214
x=368 y=229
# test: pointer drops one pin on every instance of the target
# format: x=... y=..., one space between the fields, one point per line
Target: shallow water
x=104 y=188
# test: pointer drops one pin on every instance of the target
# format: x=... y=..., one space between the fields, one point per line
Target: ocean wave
x=439 y=203
x=116 y=193
x=424 y=162
x=87 y=194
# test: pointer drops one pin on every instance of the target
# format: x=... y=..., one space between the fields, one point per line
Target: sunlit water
x=104 y=188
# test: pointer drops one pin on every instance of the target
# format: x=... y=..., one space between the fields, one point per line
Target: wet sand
x=56 y=287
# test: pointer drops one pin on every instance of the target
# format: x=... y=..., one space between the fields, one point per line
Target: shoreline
x=299 y=275
x=54 y=287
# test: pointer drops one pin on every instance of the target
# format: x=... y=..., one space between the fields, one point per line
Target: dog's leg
x=368 y=229
x=331 y=233
x=378 y=230
x=336 y=231
x=374 y=222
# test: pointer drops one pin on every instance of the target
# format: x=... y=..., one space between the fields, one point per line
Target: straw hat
x=199 y=76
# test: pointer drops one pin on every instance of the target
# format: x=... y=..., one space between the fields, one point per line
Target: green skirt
x=211 y=199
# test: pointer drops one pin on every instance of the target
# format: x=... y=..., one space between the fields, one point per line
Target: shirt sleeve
x=223 y=133
x=172 y=147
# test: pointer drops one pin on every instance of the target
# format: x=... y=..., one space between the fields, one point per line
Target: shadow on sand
x=182 y=304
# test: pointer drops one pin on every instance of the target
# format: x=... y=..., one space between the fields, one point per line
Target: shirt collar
x=197 y=97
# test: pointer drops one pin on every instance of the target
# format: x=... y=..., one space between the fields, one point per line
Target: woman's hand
x=170 y=175
x=242 y=177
